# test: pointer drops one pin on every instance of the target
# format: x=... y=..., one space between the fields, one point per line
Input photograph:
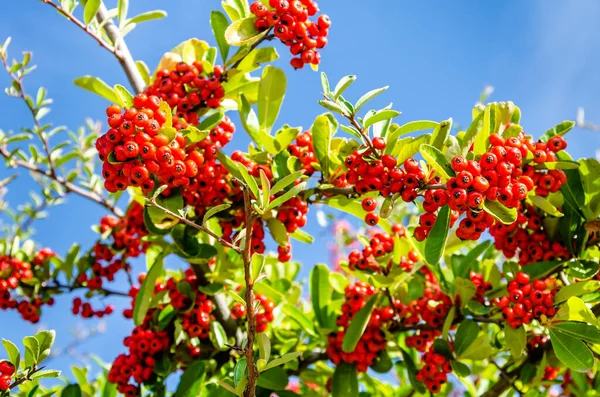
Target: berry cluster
x=380 y=245
x=151 y=340
x=303 y=149
x=86 y=310
x=373 y=339
x=293 y=216
x=15 y=273
x=264 y=314
x=422 y=340
x=526 y=301
x=434 y=373
x=290 y=22
x=7 y=370
x=527 y=238
x=188 y=88
x=482 y=286
x=431 y=308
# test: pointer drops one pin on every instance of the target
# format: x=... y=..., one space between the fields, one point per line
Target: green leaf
x=217 y=335
x=466 y=290
x=147 y=16
x=249 y=120
x=480 y=349
x=265 y=186
x=381 y=115
x=214 y=210
x=460 y=369
x=122 y=7
x=407 y=128
x=439 y=135
x=572 y=352
x=516 y=340
x=576 y=289
x=342 y=85
x=293 y=192
x=211 y=121
x=345 y=381
x=465 y=265
x=242 y=32
x=574 y=309
x=72 y=390
x=264 y=346
x=286 y=181
x=302 y=236
x=586 y=332
x=90 y=10
x=295 y=314
x=541 y=269
x=482 y=139
x=257 y=265
x=32 y=350
x=191 y=380
x=46 y=373
x=358 y=324
x=320 y=293
x=410 y=147
x=545 y=206
x=354 y=207
x=583 y=269
x=465 y=335
x=559 y=129
x=273 y=379
x=437 y=160
x=271 y=91
x=472 y=133
x=412 y=372
x=558 y=165
x=142 y=300
x=322 y=132
x=126 y=98
x=14 y=356
x=286 y=358
x=144 y=71
x=500 y=212
x=189 y=247
x=278 y=231
x=448 y=322
x=258 y=56
x=325 y=84
x=97 y=86
x=368 y=96
x=219 y=24
x=249 y=180
x=436 y=241
x=46 y=340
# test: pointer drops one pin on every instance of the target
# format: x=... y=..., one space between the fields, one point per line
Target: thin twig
x=25 y=378
x=57 y=285
x=247 y=259
x=188 y=222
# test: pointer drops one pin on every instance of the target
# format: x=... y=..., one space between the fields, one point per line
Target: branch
x=57 y=285
x=25 y=378
x=121 y=52
x=152 y=201
x=247 y=259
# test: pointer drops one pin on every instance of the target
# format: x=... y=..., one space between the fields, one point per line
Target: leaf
x=72 y=390
x=302 y=236
x=325 y=84
x=500 y=212
x=583 y=269
x=410 y=147
x=249 y=180
x=217 y=335
x=286 y=181
x=541 y=269
x=46 y=340
x=97 y=86
x=472 y=133
x=407 y=128
x=122 y=7
x=286 y=358
x=576 y=289
x=381 y=115
x=293 y=192
x=516 y=340
x=466 y=290
x=219 y=24
x=254 y=59
x=463 y=268
x=558 y=165
x=559 y=129
x=354 y=207
x=14 y=356
x=436 y=241
x=264 y=346
x=320 y=293
x=142 y=300
x=147 y=16
x=296 y=315
x=126 y=99
x=322 y=133
x=192 y=379
x=90 y=10
x=482 y=139
x=249 y=120
x=342 y=85
x=465 y=335
x=460 y=369
x=439 y=135
x=214 y=210
x=273 y=379
x=47 y=373
x=448 y=322
x=545 y=206
x=278 y=231
x=367 y=97
x=358 y=324
x=586 y=332
x=480 y=349
x=345 y=381
x=574 y=309
x=271 y=91
x=242 y=32
x=211 y=121
x=571 y=351
x=437 y=160
x=412 y=372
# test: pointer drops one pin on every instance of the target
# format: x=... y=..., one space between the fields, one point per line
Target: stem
x=121 y=52
x=25 y=378
x=188 y=222
x=70 y=288
x=247 y=259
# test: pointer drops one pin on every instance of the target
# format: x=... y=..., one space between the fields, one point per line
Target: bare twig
x=57 y=285
x=152 y=201
x=247 y=259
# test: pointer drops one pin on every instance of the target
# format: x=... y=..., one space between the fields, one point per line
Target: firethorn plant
x=474 y=271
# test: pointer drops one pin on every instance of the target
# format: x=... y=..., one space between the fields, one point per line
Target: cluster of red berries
x=380 y=244
x=7 y=370
x=431 y=308
x=127 y=232
x=527 y=238
x=526 y=301
x=293 y=216
x=481 y=285
x=303 y=149
x=290 y=22
x=13 y=272
x=86 y=310
x=422 y=340
x=264 y=314
x=373 y=339
x=188 y=88
x=434 y=373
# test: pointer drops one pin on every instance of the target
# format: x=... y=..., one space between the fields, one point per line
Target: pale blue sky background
x=436 y=56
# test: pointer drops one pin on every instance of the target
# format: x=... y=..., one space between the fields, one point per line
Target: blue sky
x=436 y=56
